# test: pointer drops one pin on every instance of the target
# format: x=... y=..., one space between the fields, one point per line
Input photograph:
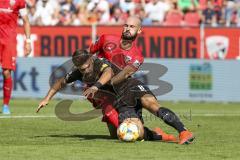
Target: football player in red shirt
x=122 y=51
x=9 y=12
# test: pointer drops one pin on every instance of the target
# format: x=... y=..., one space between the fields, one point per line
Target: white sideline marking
x=216 y=114
x=29 y=116
x=53 y=116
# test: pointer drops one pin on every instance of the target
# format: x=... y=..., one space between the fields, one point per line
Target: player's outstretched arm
x=60 y=83
x=124 y=74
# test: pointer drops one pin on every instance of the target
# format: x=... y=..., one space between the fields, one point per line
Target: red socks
x=7 y=90
x=111 y=115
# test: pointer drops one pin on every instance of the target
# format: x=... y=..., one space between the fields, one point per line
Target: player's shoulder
x=73 y=75
x=74 y=71
x=100 y=64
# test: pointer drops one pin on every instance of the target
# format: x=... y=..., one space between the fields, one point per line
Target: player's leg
x=110 y=114
x=129 y=104
x=8 y=64
x=131 y=94
x=105 y=101
x=7 y=86
x=135 y=112
x=149 y=135
x=7 y=90
x=150 y=103
x=112 y=130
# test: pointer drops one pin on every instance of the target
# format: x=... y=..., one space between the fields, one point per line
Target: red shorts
x=8 y=55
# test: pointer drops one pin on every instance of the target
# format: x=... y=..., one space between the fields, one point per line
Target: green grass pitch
x=24 y=136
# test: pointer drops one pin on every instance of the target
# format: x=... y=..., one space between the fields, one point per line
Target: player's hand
x=27 y=49
x=42 y=104
x=90 y=92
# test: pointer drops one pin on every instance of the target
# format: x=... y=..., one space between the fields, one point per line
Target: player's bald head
x=131 y=28
x=134 y=20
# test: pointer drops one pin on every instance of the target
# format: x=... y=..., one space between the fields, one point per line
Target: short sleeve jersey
x=98 y=68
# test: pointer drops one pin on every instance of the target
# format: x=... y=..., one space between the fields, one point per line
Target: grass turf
x=216 y=127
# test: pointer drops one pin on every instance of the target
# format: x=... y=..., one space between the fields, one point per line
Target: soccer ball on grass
x=128 y=132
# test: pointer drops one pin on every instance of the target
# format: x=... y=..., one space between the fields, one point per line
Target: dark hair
x=79 y=57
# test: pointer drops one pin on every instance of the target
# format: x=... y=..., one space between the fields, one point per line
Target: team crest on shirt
x=109 y=46
x=136 y=64
x=128 y=59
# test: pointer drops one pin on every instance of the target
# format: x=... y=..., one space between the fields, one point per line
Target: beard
x=127 y=36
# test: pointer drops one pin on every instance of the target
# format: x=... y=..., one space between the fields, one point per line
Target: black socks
x=151 y=135
x=170 y=118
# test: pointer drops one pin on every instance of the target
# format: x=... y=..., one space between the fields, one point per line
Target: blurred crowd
x=152 y=12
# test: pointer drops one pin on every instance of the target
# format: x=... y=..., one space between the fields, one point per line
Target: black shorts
x=128 y=100
x=130 y=112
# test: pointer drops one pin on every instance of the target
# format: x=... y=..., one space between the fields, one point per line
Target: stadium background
x=214 y=52
x=200 y=49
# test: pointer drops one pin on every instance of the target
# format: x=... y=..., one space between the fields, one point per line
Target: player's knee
x=6 y=73
x=146 y=101
x=150 y=103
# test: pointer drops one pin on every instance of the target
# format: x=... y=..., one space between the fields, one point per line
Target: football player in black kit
x=128 y=96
